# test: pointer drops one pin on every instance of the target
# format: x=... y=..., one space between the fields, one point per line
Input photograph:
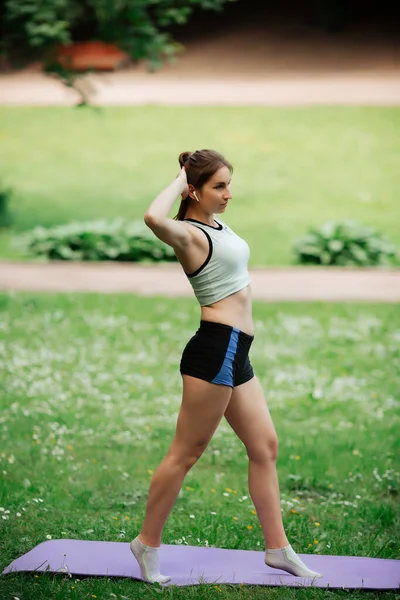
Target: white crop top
x=224 y=271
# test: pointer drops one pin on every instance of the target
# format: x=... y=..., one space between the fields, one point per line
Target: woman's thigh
x=203 y=406
x=248 y=415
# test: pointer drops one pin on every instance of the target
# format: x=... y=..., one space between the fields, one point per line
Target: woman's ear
x=191 y=190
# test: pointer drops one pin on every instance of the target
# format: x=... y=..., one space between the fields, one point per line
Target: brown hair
x=200 y=166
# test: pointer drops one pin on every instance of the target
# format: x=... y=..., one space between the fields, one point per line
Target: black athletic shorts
x=218 y=353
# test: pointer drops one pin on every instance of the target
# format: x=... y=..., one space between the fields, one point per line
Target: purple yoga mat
x=191 y=565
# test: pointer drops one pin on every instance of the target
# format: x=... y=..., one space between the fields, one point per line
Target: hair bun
x=184 y=157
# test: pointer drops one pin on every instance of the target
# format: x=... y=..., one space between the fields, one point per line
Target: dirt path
x=273 y=284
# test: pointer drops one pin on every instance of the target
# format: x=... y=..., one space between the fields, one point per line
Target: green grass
x=294 y=167
x=90 y=394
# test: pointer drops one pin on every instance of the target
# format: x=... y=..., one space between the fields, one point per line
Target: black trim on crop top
x=210 y=251
x=207 y=225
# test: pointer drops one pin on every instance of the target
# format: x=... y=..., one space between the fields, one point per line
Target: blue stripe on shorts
x=225 y=375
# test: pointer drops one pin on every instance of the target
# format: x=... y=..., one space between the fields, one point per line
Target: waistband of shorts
x=213 y=325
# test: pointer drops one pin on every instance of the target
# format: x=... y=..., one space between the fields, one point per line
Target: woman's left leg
x=248 y=415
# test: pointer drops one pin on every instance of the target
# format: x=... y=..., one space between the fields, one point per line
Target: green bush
x=5 y=214
x=344 y=243
x=97 y=240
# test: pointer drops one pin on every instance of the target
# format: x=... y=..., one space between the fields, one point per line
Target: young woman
x=218 y=379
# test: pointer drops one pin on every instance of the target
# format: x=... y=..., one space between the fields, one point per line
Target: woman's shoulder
x=196 y=231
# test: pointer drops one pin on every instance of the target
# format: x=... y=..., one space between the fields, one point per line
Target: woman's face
x=216 y=192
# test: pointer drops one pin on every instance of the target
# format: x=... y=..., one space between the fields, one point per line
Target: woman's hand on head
x=183 y=183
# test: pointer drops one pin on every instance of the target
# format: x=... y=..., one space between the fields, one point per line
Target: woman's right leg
x=203 y=406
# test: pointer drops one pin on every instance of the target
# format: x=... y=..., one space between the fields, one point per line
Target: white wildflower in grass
x=58 y=452
x=395 y=335
x=295 y=325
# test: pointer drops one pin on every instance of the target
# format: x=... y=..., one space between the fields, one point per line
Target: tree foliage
x=140 y=27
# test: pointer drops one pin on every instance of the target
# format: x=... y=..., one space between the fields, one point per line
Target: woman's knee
x=262 y=450
x=185 y=457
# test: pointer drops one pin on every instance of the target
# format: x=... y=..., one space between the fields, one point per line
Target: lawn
x=293 y=167
x=90 y=394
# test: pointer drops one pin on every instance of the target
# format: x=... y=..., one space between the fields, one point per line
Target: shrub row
x=344 y=243
x=334 y=243
x=97 y=241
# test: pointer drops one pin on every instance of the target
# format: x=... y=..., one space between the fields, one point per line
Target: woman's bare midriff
x=234 y=310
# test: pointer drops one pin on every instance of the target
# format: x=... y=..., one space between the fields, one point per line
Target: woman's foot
x=149 y=561
x=287 y=560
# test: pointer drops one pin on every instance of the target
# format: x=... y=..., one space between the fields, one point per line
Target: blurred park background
x=301 y=97
x=304 y=99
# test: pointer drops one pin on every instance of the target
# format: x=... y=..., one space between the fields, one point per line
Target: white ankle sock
x=149 y=561
x=287 y=560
